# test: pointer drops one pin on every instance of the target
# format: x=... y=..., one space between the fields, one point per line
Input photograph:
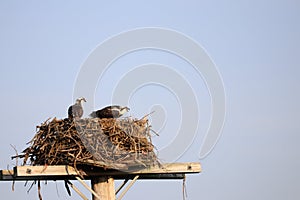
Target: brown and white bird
x=76 y=110
x=110 y=112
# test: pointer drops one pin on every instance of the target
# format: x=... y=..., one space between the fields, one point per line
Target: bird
x=76 y=110
x=113 y=111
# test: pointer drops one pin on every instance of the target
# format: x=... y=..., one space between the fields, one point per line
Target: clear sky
x=254 y=44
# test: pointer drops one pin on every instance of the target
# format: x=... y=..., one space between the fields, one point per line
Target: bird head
x=78 y=101
x=126 y=109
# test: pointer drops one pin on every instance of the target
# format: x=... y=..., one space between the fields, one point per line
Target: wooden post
x=104 y=186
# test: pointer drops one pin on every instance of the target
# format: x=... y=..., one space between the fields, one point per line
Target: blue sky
x=254 y=44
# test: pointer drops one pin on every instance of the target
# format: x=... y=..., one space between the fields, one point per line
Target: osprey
x=110 y=112
x=76 y=110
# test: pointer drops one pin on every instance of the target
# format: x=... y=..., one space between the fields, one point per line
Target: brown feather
x=109 y=112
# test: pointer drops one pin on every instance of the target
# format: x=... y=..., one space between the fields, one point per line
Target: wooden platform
x=62 y=172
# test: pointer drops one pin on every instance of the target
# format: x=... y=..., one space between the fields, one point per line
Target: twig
x=16 y=153
x=39 y=190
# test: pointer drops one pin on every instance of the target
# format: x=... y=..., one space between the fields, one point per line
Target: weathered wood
x=104 y=187
x=62 y=170
x=53 y=170
x=121 y=186
x=171 y=168
x=87 y=187
x=6 y=175
x=128 y=187
x=77 y=191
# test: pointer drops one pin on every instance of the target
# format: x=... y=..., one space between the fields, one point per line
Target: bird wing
x=105 y=113
x=70 y=113
x=93 y=114
x=115 y=113
x=75 y=111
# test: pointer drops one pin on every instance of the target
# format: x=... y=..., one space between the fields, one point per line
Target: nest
x=108 y=143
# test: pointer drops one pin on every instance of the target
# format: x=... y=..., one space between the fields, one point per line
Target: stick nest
x=109 y=143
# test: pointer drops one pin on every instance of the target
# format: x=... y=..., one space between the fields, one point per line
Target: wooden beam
x=128 y=187
x=6 y=175
x=77 y=191
x=62 y=170
x=51 y=170
x=164 y=169
x=87 y=187
x=171 y=168
x=104 y=187
x=121 y=186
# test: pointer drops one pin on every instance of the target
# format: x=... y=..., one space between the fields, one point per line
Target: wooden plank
x=6 y=175
x=52 y=170
x=60 y=172
x=9 y=177
x=169 y=168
